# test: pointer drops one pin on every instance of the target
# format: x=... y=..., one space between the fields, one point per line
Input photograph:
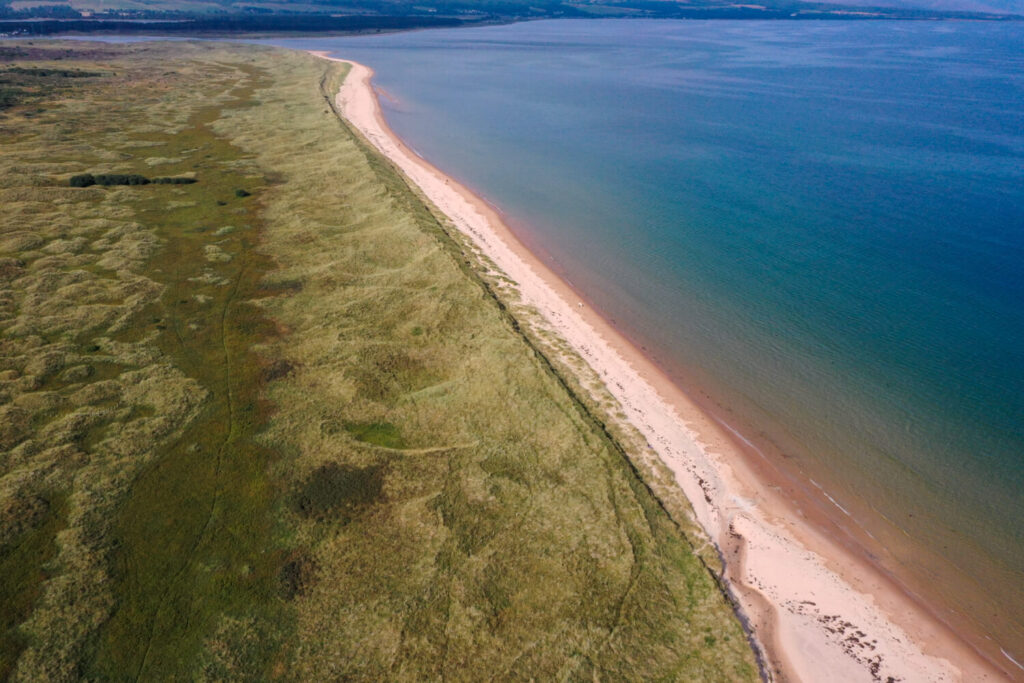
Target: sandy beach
x=818 y=609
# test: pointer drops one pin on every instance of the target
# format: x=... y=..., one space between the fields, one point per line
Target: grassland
x=291 y=432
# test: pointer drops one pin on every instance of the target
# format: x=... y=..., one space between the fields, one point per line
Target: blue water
x=821 y=225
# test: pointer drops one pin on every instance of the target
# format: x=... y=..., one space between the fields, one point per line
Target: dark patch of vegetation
x=242 y=193
x=285 y=287
x=121 y=179
x=10 y=97
x=31 y=52
x=175 y=180
x=297 y=575
x=20 y=84
x=88 y=179
x=48 y=73
x=336 y=490
x=278 y=370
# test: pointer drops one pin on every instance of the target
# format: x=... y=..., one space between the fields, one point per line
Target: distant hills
x=987 y=6
x=39 y=17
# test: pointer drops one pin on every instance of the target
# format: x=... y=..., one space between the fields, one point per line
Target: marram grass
x=275 y=424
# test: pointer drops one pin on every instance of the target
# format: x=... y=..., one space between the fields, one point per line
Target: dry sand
x=819 y=611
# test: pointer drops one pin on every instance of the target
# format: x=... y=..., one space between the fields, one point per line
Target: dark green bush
x=9 y=97
x=122 y=179
x=242 y=193
x=177 y=180
x=48 y=73
x=87 y=179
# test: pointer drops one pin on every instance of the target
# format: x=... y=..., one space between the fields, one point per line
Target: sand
x=817 y=609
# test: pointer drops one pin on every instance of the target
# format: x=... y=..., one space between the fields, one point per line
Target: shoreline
x=819 y=610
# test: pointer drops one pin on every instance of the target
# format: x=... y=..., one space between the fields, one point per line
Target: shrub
x=48 y=73
x=9 y=97
x=177 y=180
x=122 y=179
x=242 y=193
x=87 y=179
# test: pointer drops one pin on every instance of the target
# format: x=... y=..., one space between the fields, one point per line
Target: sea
x=816 y=228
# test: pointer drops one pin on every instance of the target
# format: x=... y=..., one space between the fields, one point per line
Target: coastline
x=820 y=611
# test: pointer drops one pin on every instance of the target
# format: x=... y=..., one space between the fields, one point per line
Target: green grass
x=295 y=434
x=164 y=540
x=196 y=524
x=380 y=433
x=23 y=559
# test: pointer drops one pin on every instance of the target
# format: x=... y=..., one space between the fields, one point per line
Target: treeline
x=226 y=17
x=54 y=11
x=232 y=24
x=19 y=85
x=34 y=72
x=88 y=180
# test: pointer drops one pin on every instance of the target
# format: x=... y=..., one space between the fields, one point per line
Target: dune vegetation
x=275 y=423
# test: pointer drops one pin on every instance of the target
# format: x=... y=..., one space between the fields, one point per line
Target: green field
x=277 y=423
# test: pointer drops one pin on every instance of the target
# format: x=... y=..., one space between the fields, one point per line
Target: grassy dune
x=290 y=432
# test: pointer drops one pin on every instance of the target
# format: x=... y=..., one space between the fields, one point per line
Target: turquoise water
x=819 y=224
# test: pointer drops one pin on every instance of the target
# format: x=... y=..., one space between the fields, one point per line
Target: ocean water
x=820 y=225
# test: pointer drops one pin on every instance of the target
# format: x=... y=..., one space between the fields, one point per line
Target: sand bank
x=818 y=610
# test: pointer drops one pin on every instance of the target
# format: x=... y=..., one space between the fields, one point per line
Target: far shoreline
x=752 y=534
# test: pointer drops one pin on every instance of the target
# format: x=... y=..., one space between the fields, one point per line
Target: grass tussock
x=274 y=424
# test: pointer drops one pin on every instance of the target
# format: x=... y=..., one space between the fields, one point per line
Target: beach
x=819 y=610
